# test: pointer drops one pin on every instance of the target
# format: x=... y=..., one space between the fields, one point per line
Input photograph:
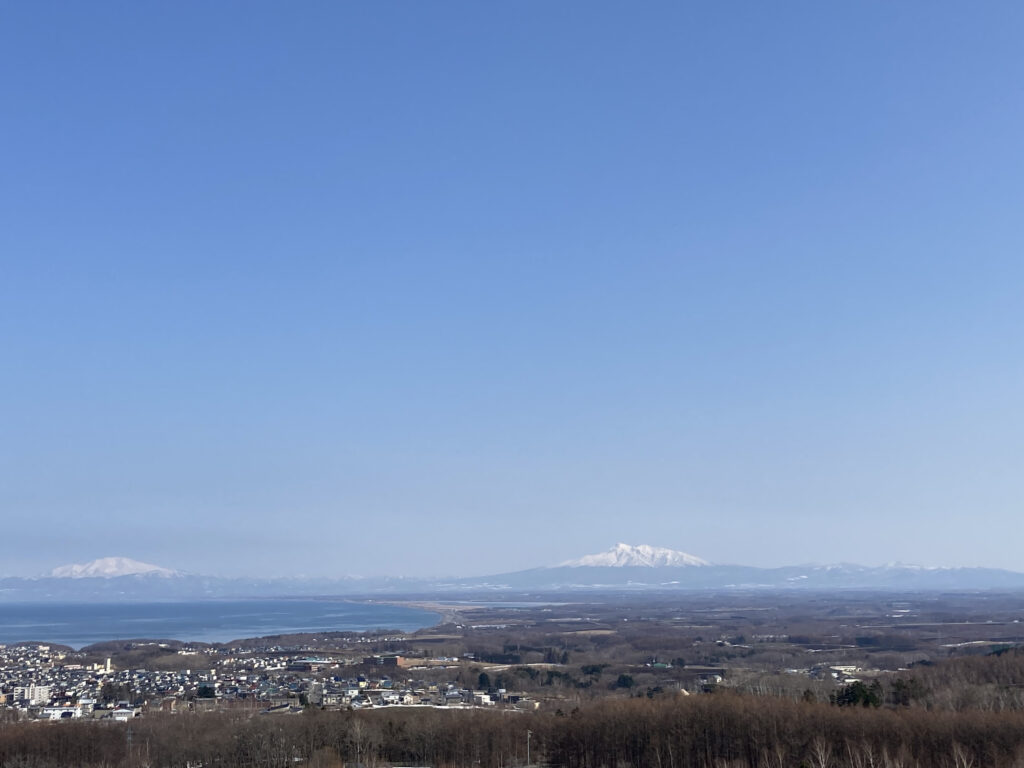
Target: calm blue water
x=213 y=621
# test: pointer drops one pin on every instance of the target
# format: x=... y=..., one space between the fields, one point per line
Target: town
x=38 y=681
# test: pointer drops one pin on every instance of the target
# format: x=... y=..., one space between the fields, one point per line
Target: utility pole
x=528 y=735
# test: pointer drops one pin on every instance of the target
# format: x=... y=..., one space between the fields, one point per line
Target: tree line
x=720 y=730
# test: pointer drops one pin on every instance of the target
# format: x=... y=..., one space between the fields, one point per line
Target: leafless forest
x=722 y=730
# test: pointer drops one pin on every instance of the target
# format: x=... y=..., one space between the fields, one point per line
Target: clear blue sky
x=430 y=287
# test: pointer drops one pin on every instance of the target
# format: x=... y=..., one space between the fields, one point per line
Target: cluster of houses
x=43 y=683
x=34 y=682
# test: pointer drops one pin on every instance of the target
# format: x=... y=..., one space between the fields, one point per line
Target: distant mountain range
x=624 y=567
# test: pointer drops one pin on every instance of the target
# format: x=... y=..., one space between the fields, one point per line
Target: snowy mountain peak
x=108 y=568
x=642 y=555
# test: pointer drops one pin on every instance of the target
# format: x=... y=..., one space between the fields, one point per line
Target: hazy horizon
x=496 y=568
x=423 y=288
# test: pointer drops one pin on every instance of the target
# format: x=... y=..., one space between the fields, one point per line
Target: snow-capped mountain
x=643 y=567
x=638 y=556
x=109 y=568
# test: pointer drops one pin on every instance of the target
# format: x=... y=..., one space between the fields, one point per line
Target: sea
x=209 y=621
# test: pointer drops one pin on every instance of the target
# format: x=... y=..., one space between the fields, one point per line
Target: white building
x=33 y=694
x=60 y=713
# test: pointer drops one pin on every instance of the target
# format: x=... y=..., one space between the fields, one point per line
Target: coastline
x=448 y=613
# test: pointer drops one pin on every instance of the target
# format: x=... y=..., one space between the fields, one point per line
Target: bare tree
x=821 y=752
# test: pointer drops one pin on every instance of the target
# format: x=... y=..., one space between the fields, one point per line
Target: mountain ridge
x=110 y=568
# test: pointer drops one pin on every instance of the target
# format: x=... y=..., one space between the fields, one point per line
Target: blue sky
x=434 y=288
